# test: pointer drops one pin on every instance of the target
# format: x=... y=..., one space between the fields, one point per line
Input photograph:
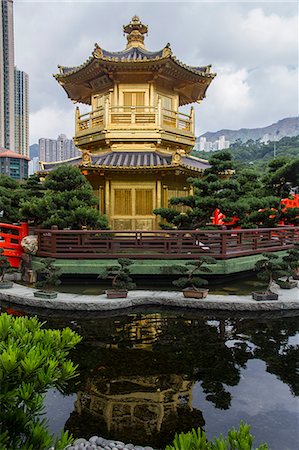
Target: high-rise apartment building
x=7 y=129
x=59 y=149
x=21 y=113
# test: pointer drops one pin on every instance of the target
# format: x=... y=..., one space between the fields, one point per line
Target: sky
x=252 y=46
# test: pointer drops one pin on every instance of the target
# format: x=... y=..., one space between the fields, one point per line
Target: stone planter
x=264 y=296
x=6 y=284
x=287 y=284
x=192 y=293
x=45 y=294
x=116 y=294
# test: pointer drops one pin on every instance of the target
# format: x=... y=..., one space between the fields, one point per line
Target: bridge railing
x=10 y=241
x=220 y=244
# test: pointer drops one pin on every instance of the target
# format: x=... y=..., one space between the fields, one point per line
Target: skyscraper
x=59 y=149
x=7 y=129
x=21 y=113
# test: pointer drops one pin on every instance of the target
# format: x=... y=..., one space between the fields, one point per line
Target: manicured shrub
x=32 y=360
x=240 y=439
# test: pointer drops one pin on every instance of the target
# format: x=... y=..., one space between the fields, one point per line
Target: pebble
x=81 y=441
x=99 y=443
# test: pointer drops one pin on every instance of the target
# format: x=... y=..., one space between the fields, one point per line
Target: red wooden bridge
x=220 y=244
x=10 y=240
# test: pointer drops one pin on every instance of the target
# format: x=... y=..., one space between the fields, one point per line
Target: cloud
x=50 y=121
x=253 y=48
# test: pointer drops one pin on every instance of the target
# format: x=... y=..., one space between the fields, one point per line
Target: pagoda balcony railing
x=119 y=117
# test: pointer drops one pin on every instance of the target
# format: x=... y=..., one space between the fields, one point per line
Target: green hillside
x=258 y=153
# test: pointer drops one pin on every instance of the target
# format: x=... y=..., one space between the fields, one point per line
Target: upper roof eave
x=120 y=58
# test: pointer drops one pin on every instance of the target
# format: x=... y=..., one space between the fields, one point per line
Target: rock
x=138 y=447
x=81 y=441
x=129 y=446
x=93 y=439
x=120 y=446
x=120 y=443
x=111 y=444
x=90 y=447
x=148 y=448
x=29 y=244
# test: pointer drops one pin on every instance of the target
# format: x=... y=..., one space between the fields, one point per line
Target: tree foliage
x=68 y=202
x=119 y=275
x=244 y=193
x=11 y=195
x=32 y=360
x=49 y=274
x=189 y=270
x=257 y=153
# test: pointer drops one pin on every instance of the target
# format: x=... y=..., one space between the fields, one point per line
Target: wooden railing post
x=106 y=118
x=53 y=239
x=159 y=113
x=223 y=245
x=133 y=113
x=191 y=123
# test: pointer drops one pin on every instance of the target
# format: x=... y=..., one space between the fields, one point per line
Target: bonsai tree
x=4 y=265
x=119 y=275
x=291 y=261
x=189 y=270
x=49 y=275
x=270 y=269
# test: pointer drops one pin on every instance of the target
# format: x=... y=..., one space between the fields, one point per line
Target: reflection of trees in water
x=137 y=373
x=271 y=341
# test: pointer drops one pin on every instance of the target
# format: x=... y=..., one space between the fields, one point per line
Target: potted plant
x=191 y=283
x=48 y=278
x=268 y=269
x=4 y=268
x=120 y=279
x=291 y=262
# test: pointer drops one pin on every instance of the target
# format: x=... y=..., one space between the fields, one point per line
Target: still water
x=145 y=375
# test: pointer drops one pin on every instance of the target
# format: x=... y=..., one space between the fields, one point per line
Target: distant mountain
x=285 y=127
x=33 y=151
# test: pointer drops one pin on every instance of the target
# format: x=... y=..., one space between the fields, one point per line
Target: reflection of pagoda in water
x=140 y=409
x=146 y=403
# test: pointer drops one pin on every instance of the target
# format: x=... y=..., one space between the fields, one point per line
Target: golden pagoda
x=135 y=142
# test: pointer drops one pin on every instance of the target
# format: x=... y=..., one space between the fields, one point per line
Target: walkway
x=21 y=295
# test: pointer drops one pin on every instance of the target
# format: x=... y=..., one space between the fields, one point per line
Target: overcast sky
x=253 y=47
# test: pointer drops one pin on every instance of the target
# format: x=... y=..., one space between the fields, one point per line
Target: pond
x=143 y=375
x=243 y=284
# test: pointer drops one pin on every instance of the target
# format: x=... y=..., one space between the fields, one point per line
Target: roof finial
x=135 y=31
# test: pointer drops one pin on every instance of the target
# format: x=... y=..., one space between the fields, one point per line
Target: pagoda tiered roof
x=132 y=161
x=104 y=67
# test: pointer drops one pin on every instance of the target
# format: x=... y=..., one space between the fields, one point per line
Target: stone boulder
x=29 y=245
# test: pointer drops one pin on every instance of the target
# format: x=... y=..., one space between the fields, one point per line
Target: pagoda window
x=134 y=98
x=123 y=202
x=144 y=202
x=98 y=102
x=166 y=102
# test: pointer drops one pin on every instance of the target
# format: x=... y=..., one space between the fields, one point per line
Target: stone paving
x=22 y=295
